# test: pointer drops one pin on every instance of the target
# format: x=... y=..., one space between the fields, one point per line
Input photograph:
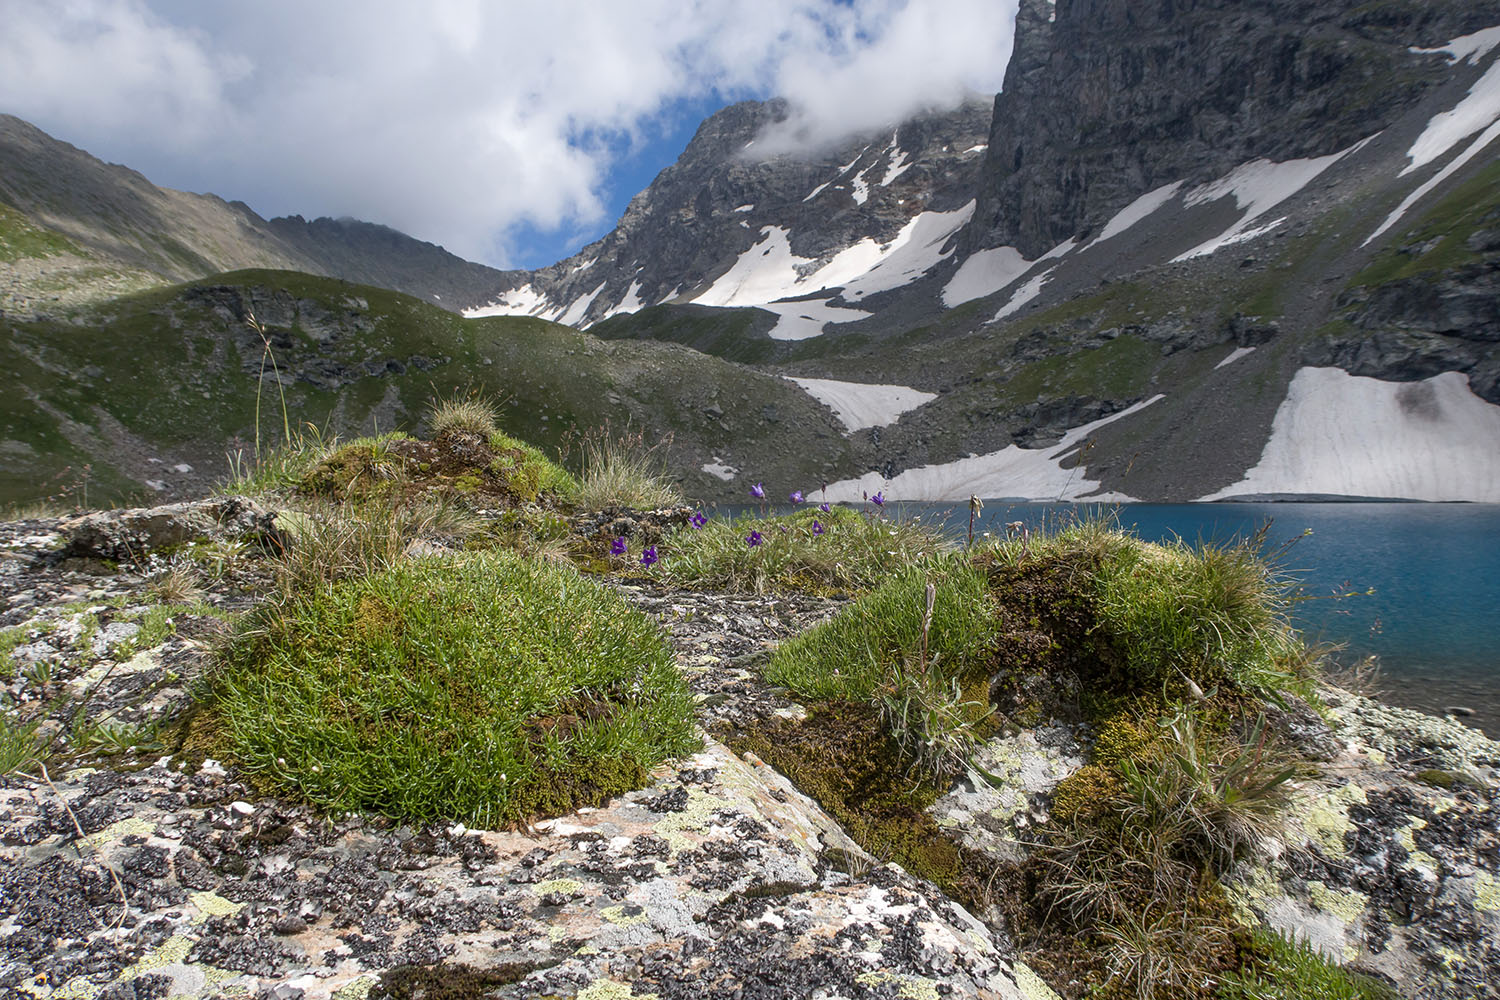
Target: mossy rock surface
x=486 y=688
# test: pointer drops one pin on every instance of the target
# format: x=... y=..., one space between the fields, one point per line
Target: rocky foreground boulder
x=142 y=868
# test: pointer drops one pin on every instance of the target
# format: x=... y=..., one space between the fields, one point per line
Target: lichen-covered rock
x=708 y=883
x=133 y=534
x=1390 y=859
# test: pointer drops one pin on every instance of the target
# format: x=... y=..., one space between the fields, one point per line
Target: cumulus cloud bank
x=459 y=120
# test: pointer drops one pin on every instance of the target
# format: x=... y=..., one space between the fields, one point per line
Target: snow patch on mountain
x=1257 y=187
x=859 y=404
x=523 y=301
x=1470 y=48
x=915 y=250
x=764 y=273
x=1033 y=473
x=580 y=306
x=1137 y=210
x=630 y=303
x=984 y=273
x=720 y=470
x=1349 y=435
x=805 y=318
x=1023 y=295
x=1488 y=136
x=1233 y=356
x=769 y=273
x=1475 y=113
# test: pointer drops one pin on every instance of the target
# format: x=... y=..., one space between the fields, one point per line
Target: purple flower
x=878 y=499
x=758 y=491
x=796 y=496
x=698 y=520
x=817 y=528
x=648 y=557
x=824 y=507
x=618 y=547
x=753 y=539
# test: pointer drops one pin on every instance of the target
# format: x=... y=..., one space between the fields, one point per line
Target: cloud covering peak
x=461 y=121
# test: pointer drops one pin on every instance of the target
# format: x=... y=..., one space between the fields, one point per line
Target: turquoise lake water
x=1433 y=619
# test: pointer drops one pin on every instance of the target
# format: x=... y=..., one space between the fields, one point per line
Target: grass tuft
x=488 y=689
x=621 y=470
x=468 y=414
x=1287 y=969
x=853 y=552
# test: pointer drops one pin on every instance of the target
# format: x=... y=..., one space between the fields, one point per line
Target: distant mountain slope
x=727 y=226
x=146 y=394
x=1203 y=242
x=76 y=229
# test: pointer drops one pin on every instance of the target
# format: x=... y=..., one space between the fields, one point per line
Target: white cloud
x=457 y=120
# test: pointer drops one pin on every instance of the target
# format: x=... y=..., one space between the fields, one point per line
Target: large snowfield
x=1032 y=473
x=1348 y=435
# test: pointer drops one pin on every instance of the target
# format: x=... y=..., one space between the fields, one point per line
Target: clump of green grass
x=621 y=470
x=275 y=468
x=488 y=689
x=527 y=472
x=1286 y=969
x=1210 y=614
x=852 y=552
x=856 y=654
x=469 y=414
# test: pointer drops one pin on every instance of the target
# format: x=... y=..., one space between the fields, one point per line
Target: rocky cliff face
x=1107 y=99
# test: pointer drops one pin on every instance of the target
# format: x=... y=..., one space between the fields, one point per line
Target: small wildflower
x=824 y=507
x=698 y=521
x=784 y=529
x=619 y=546
x=796 y=496
x=758 y=491
x=648 y=557
x=817 y=528
x=753 y=539
x=878 y=499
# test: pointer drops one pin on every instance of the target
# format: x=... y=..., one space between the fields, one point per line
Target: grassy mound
x=1165 y=650
x=811 y=551
x=488 y=689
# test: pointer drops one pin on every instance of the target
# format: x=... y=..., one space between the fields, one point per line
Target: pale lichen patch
x=1348 y=905
x=1326 y=818
x=355 y=989
x=211 y=904
x=1030 y=984
x=118 y=831
x=608 y=989
x=907 y=986
x=1486 y=893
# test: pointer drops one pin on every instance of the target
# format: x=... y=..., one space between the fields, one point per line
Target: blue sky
x=510 y=131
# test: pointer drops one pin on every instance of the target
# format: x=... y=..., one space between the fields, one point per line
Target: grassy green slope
x=172 y=374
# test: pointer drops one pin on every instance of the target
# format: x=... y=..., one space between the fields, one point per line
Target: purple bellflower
x=817 y=528
x=796 y=496
x=753 y=539
x=619 y=546
x=758 y=491
x=698 y=520
x=649 y=557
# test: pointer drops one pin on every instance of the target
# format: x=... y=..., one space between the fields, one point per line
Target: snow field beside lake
x=1349 y=435
x=1033 y=473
